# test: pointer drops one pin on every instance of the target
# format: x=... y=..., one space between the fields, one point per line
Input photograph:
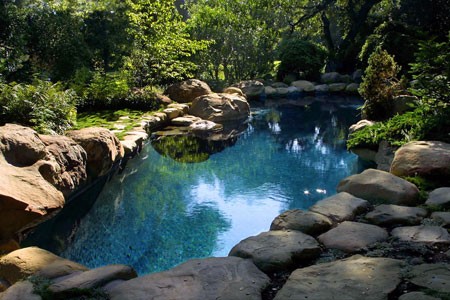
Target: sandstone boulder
x=225 y=278
x=422 y=234
x=341 y=207
x=102 y=147
x=354 y=278
x=352 y=236
x=21 y=290
x=187 y=91
x=305 y=221
x=220 y=107
x=234 y=91
x=304 y=86
x=277 y=250
x=253 y=89
x=439 y=198
x=428 y=159
x=360 y=125
x=380 y=187
x=388 y=215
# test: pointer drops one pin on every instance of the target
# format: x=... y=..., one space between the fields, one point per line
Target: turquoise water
x=159 y=212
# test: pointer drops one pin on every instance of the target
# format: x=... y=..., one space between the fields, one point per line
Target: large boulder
x=225 y=278
x=66 y=167
x=304 y=86
x=220 y=107
x=354 y=278
x=187 y=91
x=427 y=159
x=102 y=147
x=253 y=89
x=305 y=221
x=277 y=250
x=21 y=146
x=380 y=187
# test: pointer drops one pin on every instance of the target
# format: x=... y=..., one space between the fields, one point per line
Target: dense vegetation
x=60 y=56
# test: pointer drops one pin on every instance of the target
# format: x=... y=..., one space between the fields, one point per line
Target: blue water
x=160 y=212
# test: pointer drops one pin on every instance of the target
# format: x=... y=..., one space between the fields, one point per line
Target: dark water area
x=164 y=209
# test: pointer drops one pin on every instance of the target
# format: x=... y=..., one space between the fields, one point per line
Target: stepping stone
x=432 y=276
x=388 y=214
x=277 y=250
x=439 y=197
x=417 y=296
x=21 y=290
x=443 y=218
x=352 y=236
x=341 y=207
x=305 y=221
x=185 y=120
x=172 y=113
x=422 y=234
x=378 y=186
x=354 y=278
x=180 y=106
x=225 y=278
x=93 y=278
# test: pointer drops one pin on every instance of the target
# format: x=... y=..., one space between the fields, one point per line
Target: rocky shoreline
x=378 y=238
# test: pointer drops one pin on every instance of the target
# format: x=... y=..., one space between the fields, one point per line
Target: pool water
x=160 y=212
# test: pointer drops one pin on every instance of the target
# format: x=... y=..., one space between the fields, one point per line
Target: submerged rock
x=277 y=250
x=225 y=278
x=187 y=91
x=354 y=278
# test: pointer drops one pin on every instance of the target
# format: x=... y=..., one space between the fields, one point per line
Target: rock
x=277 y=250
x=270 y=91
x=26 y=198
x=293 y=91
x=233 y=91
x=224 y=278
x=172 y=113
x=341 y=207
x=187 y=91
x=21 y=290
x=388 y=215
x=354 y=278
x=322 y=88
x=384 y=156
x=155 y=121
x=184 y=108
x=163 y=100
x=417 y=296
x=365 y=154
x=332 y=77
x=352 y=236
x=281 y=91
x=404 y=103
x=352 y=88
x=305 y=221
x=357 y=76
x=427 y=159
x=337 y=87
x=439 y=198
x=93 y=278
x=3 y=286
x=360 y=125
x=304 y=86
x=422 y=234
x=220 y=107
x=185 y=121
x=432 y=276
x=21 y=146
x=443 y=218
x=24 y=262
x=69 y=173
x=380 y=187
x=102 y=147
x=252 y=89
x=279 y=85
x=59 y=268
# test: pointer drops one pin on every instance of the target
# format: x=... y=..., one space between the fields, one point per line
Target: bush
x=300 y=58
x=42 y=105
x=379 y=86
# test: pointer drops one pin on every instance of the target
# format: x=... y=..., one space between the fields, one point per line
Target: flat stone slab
x=439 y=197
x=353 y=236
x=185 y=120
x=380 y=187
x=354 y=278
x=443 y=218
x=60 y=268
x=417 y=296
x=341 y=207
x=224 y=278
x=432 y=276
x=277 y=250
x=422 y=234
x=94 y=278
x=305 y=221
x=20 y=290
x=389 y=214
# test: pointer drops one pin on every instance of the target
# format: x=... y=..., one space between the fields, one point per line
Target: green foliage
x=379 y=85
x=42 y=105
x=298 y=57
x=106 y=88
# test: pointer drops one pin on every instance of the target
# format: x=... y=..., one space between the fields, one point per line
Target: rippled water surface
x=160 y=212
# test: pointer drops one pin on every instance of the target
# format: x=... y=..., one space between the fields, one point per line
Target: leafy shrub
x=299 y=57
x=380 y=85
x=42 y=105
